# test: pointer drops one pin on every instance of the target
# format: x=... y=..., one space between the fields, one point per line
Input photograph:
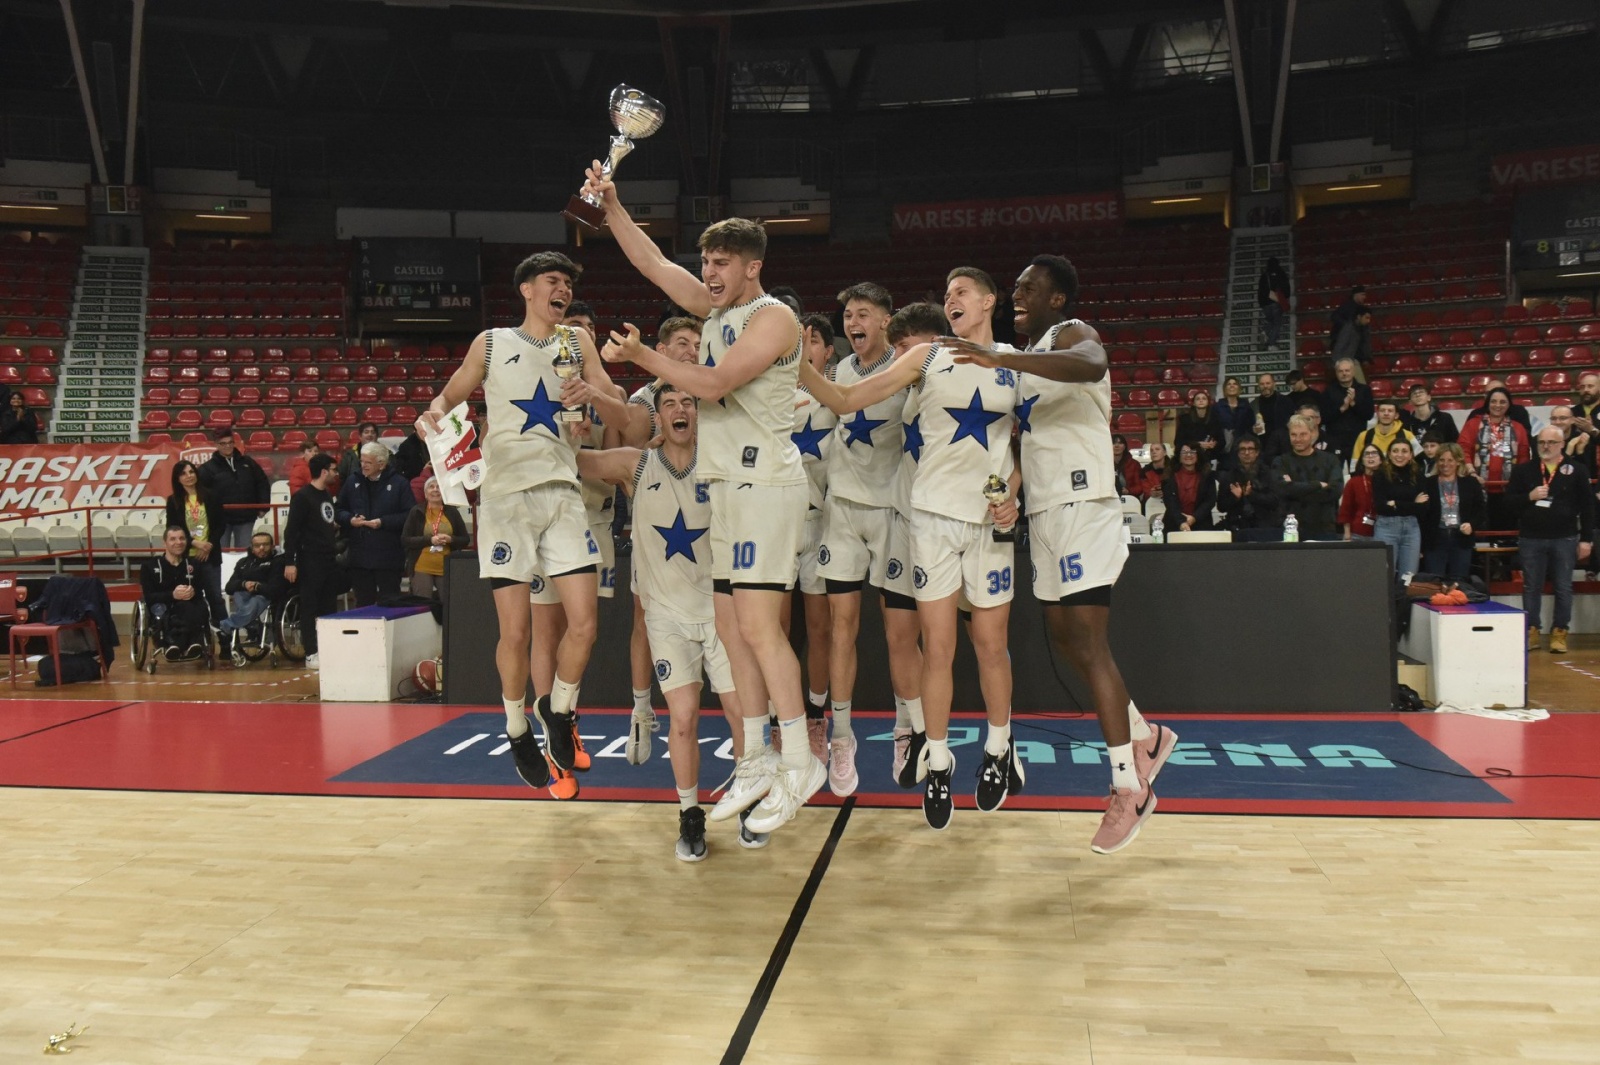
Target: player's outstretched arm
x=468 y=376
x=1079 y=358
x=614 y=465
x=903 y=372
x=771 y=334
x=680 y=286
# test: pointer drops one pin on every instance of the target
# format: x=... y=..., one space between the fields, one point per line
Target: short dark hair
x=789 y=295
x=364 y=426
x=868 y=292
x=175 y=529
x=1293 y=376
x=318 y=463
x=1418 y=387
x=820 y=323
x=1309 y=404
x=672 y=326
x=1356 y=290
x=263 y=532
x=980 y=276
x=579 y=309
x=743 y=237
x=662 y=389
x=1436 y=437
x=309 y=444
x=1387 y=402
x=545 y=262
x=915 y=319
x=1063 y=275
x=222 y=434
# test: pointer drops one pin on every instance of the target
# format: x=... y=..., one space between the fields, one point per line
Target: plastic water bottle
x=1158 y=530
x=1291 y=530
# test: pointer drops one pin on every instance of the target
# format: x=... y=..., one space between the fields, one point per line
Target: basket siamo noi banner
x=1026 y=212
x=40 y=478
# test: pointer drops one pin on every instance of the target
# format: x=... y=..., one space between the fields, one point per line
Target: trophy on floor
x=996 y=492
x=635 y=116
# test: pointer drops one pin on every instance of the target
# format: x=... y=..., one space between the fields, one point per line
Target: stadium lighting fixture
x=27 y=207
x=1179 y=199
x=1582 y=273
x=780 y=221
x=1352 y=188
x=422 y=319
x=235 y=217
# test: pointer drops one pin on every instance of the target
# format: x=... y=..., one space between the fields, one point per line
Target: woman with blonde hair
x=433 y=529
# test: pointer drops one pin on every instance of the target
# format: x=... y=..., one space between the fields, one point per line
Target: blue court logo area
x=1244 y=758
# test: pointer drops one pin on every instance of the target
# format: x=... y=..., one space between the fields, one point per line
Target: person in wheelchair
x=176 y=601
x=256 y=584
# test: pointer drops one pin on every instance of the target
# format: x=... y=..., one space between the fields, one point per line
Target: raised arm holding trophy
x=635 y=115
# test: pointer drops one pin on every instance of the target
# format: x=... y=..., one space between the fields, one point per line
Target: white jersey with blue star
x=1066 y=436
x=526 y=444
x=866 y=450
x=910 y=453
x=599 y=497
x=813 y=436
x=965 y=415
x=671 y=541
x=744 y=437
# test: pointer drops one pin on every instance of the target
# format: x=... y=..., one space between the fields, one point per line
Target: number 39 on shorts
x=999 y=580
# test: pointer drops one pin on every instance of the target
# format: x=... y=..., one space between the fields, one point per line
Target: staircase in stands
x=98 y=400
x=1245 y=351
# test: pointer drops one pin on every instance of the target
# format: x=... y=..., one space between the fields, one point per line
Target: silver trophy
x=567 y=366
x=996 y=492
x=635 y=115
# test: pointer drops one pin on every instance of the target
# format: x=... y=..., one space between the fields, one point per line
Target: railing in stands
x=93 y=555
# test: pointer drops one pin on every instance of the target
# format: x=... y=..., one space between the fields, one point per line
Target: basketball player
x=965 y=416
x=750 y=355
x=813 y=436
x=530 y=513
x=671 y=519
x=1075 y=521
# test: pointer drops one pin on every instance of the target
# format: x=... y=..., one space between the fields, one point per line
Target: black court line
x=746 y=1029
x=72 y=721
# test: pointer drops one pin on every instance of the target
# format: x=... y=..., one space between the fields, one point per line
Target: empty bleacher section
x=99 y=377
x=36 y=285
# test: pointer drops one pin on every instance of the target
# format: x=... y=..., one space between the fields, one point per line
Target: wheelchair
x=149 y=641
x=274 y=635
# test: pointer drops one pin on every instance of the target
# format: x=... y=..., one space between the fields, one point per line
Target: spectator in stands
x=1354 y=304
x=1190 y=493
x=789 y=295
x=300 y=467
x=18 y=424
x=1492 y=440
x=1555 y=524
x=1430 y=451
x=1355 y=343
x=239 y=486
x=1457 y=507
x=168 y=583
x=1586 y=414
x=1577 y=446
x=1355 y=503
x=1201 y=426
x=1300 y=390
x=1272 y=407
x=1346 y=408
x=350 y=461
x=432 y=530
x=1311 y=411
x=411 y=456
x=1272 y=294
x=1309 y=482
x=1246 y=496
x=1385 y=430
x=1517 y=412
x=580 y=314
x=193 y=508
x=1399 y=503
x=1130 y=477
x=1238 y=417
x=310 y=552
x=1156 y=470
x=373 y=507
x=256 y=580
x=1424 y=418
x=5 y=399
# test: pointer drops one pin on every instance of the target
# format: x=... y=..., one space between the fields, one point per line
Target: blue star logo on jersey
x=680 y=538
x=973 y=421
x=1024 y=412
x=860 y=428
x=541 y=410
x=809 y=440
x=913 y=441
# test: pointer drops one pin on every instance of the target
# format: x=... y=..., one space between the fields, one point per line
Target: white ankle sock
x=796 y=745
x=754 y=738
x=914 y=711
x=1122 y=771
x=516 y=717
x=1138 y=727
x=902 y=713
x=688 y=798
x=563 y=697
x=817 y=698
x=841 y=719
x=641 y=701
x=998 y=740
x=938 y=753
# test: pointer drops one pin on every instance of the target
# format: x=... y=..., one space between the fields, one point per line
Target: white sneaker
x=791 y=789
x=752 y=779
x=640 y=729
x=311 y=662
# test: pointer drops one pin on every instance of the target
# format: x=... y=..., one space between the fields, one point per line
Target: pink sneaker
x=1127 y=811
x=817 y=733
x=1151 y=754
x=842 y=776
x=902 y=752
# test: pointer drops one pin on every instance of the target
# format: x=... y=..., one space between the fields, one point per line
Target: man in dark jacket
x=1346 y=407
x=1247 y=498
x=234 y=478
x=1273 y=408
x=410 y=457
x=173 y=595
x=1309 y=482
x=1272 y=294
x=1424 y=419
x=256 y=581
x=1355 y=304
x=373 y=507
x=350 y=460
x=1555 y=506
x=310 y=551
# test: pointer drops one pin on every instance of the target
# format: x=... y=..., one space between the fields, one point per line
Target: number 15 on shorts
x=1071 y=568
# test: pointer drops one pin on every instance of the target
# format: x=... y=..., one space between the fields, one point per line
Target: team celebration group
x=755 y=469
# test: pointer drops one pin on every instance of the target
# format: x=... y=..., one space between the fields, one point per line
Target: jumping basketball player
x=813 y=435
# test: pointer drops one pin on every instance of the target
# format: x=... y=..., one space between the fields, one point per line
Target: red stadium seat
x=157 y=375
x=1526 y=334
x=1169 y=397
x=187 y=419
x=247 y=395
x=1504 y=359
x=1129 y=423
x=1440 y=362
x=1382 y=388
x=1140 y=397
x=1516 y=382
x=155 y=419
x=219 y=419
x=313 y=416
x=1406 y=364
x=1577 y=355
x=1553 y=381
x=1146 y=375
x=218 y=397
x=393 y=394
x=329 y=441
x=1174 y=375
x=39 y=375
x=1563 y=333
x=291 y=440
x=281 y=416
x=336 y=394
x=1448 y=385
x=365 y=394
x=259 y=441
x=1472 y=361
x=336 y=372
x=187 y=397
x=344 y=416
x=306 y=395
x=404 y=414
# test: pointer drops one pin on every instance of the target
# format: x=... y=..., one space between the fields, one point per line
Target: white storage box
x=1476 y=654
x=365 y=653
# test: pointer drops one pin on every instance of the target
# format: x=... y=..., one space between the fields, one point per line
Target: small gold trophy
x=567 y=366
x=996 y=492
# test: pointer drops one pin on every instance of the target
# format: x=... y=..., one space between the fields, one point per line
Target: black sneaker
x=908 y=772
x=1015 y=775
x=531 y=766
x=691 y=835
x=557 y=734
x=994 y=779
x=937 y=805
x=751 y=841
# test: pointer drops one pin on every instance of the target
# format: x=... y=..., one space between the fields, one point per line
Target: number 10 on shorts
x=744 y=554
x=1071 y=568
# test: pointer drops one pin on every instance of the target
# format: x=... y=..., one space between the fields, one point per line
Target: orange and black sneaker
x=580 y=757
x=563 y=783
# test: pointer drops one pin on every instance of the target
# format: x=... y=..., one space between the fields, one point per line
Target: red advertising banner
x=48 y=477
x=1023 y=212
x=1548 y=166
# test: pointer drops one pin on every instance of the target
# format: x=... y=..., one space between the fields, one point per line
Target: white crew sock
x=754 y=738
x=938 y=753
x=998 y=741
x=641 y=702
x=563 y=697
x=796 y=744
x=1122 y=771
x=1138 y=727
x=902 y=713
x=516 y=717
x=817 y=698
x=914 y=711
x=841 y=719
x=688 y=798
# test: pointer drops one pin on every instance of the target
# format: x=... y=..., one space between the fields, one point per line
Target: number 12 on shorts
x=1071 y=568
x=744 y=554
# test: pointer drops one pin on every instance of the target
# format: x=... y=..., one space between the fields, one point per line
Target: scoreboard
x=418 y=281
x=1557 y=229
